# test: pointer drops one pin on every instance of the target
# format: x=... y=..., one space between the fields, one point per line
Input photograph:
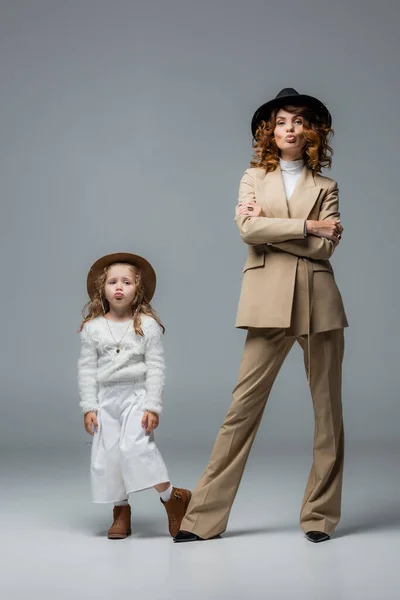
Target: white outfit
x=120 y=387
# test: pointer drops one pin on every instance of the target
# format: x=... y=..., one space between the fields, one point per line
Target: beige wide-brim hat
x=148 y=273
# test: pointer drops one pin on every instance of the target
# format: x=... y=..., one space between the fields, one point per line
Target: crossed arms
x=303 y=238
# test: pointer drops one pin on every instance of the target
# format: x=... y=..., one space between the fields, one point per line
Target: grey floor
x=53 y=542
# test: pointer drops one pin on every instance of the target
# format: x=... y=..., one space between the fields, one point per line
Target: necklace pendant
x=117 y=350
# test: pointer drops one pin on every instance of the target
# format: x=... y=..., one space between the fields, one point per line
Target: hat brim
x=148 y=273
x=264 y=112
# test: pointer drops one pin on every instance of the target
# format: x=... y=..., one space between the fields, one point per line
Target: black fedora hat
x=286 y=97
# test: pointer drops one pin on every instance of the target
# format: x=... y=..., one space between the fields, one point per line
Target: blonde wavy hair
x=99 y=305
x=317 y=152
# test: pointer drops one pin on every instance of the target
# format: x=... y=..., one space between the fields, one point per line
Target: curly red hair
x=317 y=152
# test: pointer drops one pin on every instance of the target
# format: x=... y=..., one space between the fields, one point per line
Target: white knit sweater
x=140 y=361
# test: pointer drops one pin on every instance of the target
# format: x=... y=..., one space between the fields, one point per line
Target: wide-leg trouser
x=264 y=353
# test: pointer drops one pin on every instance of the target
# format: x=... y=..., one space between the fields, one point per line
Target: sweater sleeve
x=87 y=373
x=155 y=375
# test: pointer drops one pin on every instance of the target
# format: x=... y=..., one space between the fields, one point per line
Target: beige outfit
x=288 y=294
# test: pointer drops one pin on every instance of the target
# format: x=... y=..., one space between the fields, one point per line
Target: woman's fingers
x=245 y=206
x=338 y=227
x=249 y=211
x=240 y=209
x=330 y=229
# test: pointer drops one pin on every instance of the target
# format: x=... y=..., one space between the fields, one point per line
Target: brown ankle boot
x=121 y=527
x=176 y=508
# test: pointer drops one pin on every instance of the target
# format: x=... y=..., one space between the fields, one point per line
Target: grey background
x=125 y=126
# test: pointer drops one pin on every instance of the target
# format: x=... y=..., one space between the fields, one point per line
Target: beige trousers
x=264 y=353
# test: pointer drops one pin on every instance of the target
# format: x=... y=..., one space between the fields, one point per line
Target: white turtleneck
x=291 y=171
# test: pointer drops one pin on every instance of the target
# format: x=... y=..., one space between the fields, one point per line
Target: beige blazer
x=288 y=281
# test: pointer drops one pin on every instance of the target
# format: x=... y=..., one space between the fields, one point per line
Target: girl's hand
x=249 y=209
x=91 y=423
x=150 y=421
x=330 y=229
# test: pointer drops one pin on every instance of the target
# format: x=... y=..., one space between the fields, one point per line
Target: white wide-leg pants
x=124 y=459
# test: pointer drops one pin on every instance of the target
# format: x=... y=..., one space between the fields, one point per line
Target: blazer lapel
x=272 y=196
x=304 y=196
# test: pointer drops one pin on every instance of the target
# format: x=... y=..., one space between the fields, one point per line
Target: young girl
x=121 y=381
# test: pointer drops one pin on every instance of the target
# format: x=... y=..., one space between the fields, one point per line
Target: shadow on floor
x=98 y=528
x=381 y=519
x=259 y=530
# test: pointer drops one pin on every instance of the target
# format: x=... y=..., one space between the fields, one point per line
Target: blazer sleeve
x=264 y=230
x=313 y=246
x=87 y=372
x=155 y=374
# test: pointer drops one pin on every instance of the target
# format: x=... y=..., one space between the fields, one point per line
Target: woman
x=288 y=215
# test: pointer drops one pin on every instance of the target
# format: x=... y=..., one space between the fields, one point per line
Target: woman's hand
x=331 y=229
x=150 y=421
x=90 y=421
x=249 y=209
